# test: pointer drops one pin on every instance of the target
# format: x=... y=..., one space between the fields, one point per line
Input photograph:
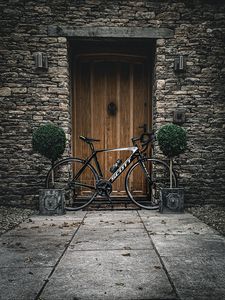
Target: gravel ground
x=12 y=216
x=212 y=215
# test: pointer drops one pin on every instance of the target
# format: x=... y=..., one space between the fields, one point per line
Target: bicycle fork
x=151 y=183
x=149 y=180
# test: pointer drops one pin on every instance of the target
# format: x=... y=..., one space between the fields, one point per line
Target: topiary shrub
x=172 y=141
x=50 y=141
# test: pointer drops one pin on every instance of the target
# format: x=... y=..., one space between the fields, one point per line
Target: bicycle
x=83 y=182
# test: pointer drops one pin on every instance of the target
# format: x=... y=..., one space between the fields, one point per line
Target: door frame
x=114 y=48
x=101 y=50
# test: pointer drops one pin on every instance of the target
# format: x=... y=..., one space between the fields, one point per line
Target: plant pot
x=51 y=202
x=171 y=200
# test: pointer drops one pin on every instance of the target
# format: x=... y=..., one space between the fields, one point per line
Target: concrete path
x=112 y=255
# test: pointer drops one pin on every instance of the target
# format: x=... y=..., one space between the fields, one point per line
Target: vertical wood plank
x=98 y=111
x=82 y=108
x=111 y=136
x=125 y=116
x=139 y=111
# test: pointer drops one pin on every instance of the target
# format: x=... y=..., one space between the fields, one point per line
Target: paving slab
x=197 y=278
x=113 y=219
x=46 y=227
x=26 y=243
x=27 y=251
x=69 y=215
x=175 y=224
x=109 y=274
x=189 y=245
x=111 y=238
x=121 y=255
x=22 y=283
x=192 y=253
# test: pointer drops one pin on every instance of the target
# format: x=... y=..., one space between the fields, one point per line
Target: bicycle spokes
x=79 y=186
x=152 y=176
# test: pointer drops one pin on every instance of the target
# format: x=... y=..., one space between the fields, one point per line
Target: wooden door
x=111 y=102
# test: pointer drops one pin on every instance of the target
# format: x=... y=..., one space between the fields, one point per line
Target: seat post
x=92 y=147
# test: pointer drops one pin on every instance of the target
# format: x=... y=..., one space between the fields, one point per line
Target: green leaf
x=172 y=140
x=50 y=141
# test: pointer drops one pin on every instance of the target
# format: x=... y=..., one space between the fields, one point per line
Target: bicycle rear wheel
x=151 y=175
x=77 y=179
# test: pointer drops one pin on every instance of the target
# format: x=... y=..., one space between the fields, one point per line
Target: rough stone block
x=5 y=91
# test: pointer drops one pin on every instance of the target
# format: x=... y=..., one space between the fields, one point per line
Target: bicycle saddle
x=88 y=140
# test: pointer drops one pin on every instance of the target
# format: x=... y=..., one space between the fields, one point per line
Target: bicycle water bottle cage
x=116 y=166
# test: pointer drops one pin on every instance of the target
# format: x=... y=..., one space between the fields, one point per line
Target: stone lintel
x=110 y=32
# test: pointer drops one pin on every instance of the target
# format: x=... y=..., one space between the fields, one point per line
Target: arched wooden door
x=111 y=102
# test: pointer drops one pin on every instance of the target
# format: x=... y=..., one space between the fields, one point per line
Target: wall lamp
x=179 y=64
x=41 y=61
x=179 y=116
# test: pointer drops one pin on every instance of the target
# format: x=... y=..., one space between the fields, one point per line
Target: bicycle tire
x=159 y=173
x=79 y=193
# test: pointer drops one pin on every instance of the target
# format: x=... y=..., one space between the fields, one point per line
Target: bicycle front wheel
x=144 y=181
x=77 y=179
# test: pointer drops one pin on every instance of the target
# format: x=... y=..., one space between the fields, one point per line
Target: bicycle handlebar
x=144 y=142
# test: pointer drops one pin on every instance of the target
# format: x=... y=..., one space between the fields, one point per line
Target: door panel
x=99 y=81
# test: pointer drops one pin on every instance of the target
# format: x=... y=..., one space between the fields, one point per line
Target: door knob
x=112 y=109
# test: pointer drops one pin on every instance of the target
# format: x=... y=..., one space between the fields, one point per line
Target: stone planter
x=51 y=202
x=171 y=200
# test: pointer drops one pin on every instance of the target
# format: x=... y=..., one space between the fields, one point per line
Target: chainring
x=104 y=187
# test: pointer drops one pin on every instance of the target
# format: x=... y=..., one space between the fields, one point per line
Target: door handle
x=144 y=126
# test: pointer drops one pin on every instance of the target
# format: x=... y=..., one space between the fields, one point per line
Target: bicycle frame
x=135 y=152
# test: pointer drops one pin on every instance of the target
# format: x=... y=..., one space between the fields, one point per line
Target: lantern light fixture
x=179 y=64
x=41 y=61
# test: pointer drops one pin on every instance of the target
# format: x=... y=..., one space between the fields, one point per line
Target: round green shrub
x=172 y=140
x=50 y=141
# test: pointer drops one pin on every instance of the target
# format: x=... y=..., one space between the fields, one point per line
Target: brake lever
x=151 y=139
x=135 y=139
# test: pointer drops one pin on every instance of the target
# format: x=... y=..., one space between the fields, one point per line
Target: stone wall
x=30 y=97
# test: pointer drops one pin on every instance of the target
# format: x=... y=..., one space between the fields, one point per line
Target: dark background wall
x=29 y=97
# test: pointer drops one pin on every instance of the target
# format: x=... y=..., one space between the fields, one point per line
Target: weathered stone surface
x=117 y=275
x=119 y=221
x=5 y=91
x=189 y=245
x=13 y=280
x=197 y=277
x=113 y=32
x=89 y=266
x=31 y=251
x=111 y=238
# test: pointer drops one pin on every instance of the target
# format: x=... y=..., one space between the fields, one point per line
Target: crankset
x=104 y=187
